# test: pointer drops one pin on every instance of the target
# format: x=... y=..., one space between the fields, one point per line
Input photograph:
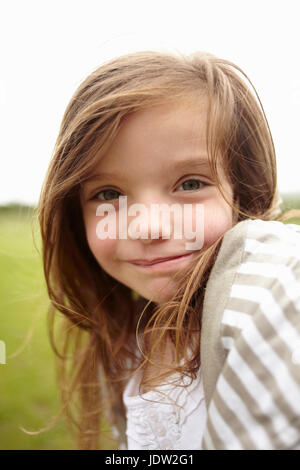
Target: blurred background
x=47 y=48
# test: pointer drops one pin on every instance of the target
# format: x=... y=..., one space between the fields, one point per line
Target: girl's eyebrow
x=193 y=163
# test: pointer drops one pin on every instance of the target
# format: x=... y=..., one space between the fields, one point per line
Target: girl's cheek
x=217 y=221
x=102 y=249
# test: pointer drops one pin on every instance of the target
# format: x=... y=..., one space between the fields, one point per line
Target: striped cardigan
x=250 y=339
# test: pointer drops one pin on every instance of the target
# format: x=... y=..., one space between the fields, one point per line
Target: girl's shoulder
x=258 y=253
x=255 y=252
x=254 y=239
x=272 y=228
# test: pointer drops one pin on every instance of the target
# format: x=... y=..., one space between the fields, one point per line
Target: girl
x=178 y=348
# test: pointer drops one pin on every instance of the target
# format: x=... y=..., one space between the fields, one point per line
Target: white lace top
x=172 y=418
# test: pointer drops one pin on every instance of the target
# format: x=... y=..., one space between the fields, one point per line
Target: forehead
x=187 y=115
x=169 y=129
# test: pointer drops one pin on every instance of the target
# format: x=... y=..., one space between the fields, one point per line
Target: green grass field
x=29 y=397
x=28 y=392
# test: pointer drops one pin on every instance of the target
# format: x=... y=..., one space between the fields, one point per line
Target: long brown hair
x=103 y=319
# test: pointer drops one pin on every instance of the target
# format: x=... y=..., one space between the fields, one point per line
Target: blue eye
x=192 y=187
x=111 y=194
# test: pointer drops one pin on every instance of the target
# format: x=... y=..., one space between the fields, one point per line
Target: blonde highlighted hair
x=103 y=318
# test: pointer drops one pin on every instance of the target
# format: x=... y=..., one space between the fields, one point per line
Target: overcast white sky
x=48 y=47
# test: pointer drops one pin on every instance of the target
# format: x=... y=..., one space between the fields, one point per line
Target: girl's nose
x=150 y=226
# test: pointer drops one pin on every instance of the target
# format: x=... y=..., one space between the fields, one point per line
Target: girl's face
x=158 y=157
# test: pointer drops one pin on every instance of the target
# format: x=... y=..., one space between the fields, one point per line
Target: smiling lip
x=159 y=261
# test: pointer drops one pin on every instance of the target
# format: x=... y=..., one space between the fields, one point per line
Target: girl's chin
x=160 y=298
x=159 y=290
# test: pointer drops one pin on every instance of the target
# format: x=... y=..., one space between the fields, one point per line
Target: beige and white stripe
x=256 y=400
